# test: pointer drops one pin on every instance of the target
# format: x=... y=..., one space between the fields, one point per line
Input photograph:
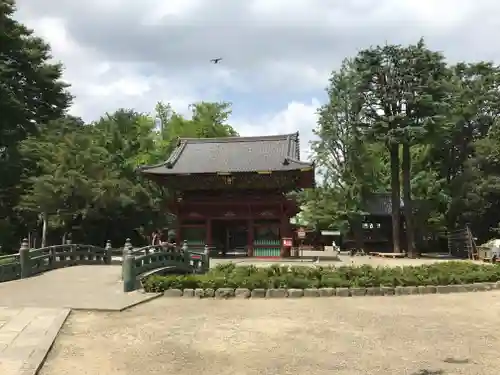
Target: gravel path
x=431 y=334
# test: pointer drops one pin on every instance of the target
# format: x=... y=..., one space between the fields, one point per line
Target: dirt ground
x=414 y=335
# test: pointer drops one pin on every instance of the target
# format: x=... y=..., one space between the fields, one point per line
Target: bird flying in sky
x=216 y=61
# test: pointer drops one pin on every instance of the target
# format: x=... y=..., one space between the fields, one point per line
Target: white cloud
x=156 y=13
x=124 y=53
x=296 y=116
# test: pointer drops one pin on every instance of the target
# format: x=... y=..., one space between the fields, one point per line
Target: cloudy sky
x=277 y=54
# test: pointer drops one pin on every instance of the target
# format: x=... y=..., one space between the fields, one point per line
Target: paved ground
x=324 y=261
x=26 y=336
x=431 y=334
x=79 y=287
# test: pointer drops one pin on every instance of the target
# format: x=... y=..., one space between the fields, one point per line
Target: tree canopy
x=417 y=125
x=398 y=119
x=31 y=94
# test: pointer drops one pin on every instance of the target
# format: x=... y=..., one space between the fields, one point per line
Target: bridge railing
x=140 y=261
x=29 y=262
x=59 y=256
x=135 y=262
x=10 y=267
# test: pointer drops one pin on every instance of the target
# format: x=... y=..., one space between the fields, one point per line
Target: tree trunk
x=357 y=231
x=395 y=197
x=408 y=206
x=67 y=238
x=44 y=229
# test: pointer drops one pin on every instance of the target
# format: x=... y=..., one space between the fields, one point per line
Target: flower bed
x=275 y=277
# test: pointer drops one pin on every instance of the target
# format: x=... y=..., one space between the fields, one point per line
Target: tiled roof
x=232 y=154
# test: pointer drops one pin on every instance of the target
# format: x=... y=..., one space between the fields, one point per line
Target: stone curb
x=244 y=293
x=35 y=362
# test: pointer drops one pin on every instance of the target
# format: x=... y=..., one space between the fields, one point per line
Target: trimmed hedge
x=250 y=277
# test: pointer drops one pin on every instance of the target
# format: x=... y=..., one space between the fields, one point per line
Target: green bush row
x=251 y=277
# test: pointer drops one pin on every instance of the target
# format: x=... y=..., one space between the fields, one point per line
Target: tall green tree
x=210 y=119
x=350 y=173
x=72 y=178
x=477 y=189
x=474 y=113
x=404 y=95
x=133 y=140
x=31 y=93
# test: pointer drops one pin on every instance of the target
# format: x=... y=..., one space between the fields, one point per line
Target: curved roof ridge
x=174 y=156
x=301 y=162
x=275 y=137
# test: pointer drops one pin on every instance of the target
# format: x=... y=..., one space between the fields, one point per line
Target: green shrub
x=253 y=281
x=223 y=268
x=251 y=277
x=332 y=281
x=155 y=283
x=211 y=281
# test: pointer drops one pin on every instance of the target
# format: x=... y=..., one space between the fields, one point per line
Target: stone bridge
x=89 y=277
x=39 y=288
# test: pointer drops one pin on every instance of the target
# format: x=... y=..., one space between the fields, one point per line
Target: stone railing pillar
x=185 y=252
x=108 y=252
x=52 y=257
x=72 y=249
x=24 y=259
x=206 y=259
x=127 y=247
x=128 y=273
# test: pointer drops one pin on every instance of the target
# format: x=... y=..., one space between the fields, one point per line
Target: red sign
x=287 y=242
x=301 y=233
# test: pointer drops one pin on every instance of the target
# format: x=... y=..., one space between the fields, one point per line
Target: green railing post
x=128 y=273
x=109 y=252
x=185 y=252
x=126 y=247
x=206 y=259
x=52 y=257
x=72 y=249
x=24 y=259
